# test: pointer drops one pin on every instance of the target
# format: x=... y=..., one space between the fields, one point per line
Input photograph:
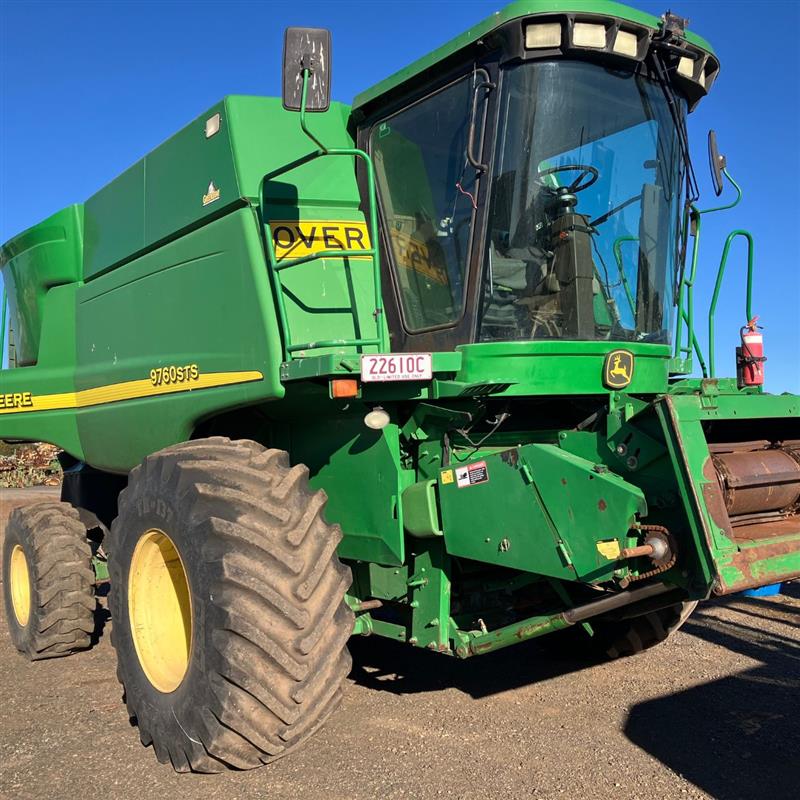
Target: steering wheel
x=578 y=185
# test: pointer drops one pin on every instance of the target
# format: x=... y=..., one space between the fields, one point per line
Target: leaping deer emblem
x=619 y=369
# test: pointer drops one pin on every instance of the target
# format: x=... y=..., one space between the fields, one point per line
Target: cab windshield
x=585 y=207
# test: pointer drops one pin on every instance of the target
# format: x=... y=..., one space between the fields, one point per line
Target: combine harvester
x=412 y=368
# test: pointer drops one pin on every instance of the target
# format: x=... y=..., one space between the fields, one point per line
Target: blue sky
x=86 y=88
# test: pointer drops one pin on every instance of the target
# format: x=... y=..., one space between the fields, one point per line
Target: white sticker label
x=472 y=474
x=396 y=367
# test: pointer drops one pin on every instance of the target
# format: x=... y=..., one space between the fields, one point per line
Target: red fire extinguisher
x=750 y=356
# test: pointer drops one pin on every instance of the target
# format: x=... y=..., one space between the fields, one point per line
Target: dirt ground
x=714 y=712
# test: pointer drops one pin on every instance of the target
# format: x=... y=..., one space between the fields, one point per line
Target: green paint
x=172 y=270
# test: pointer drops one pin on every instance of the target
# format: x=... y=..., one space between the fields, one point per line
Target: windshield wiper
x=604 y=217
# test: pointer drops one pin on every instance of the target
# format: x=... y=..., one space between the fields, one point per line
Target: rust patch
x=602 y=505
x=563 y=481
x=715 y=502
x=510 y=457
x=744 y=559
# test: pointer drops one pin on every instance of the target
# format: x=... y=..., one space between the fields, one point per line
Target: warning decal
x=472 y=474
x=299 y=239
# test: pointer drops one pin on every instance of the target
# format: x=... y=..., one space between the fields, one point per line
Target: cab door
x=429 y=152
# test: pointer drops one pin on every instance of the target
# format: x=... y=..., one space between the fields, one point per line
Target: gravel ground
x=714 y=712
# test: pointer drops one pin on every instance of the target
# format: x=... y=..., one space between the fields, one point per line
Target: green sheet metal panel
x=264 y=136
x=326 y=299
x=53 y=374
x=539 y=509
x=114 y=222
x=204 y=301
x=360 y=471
x=552 y=367
x=194 y=176
x=189 y=178
x=47 y=255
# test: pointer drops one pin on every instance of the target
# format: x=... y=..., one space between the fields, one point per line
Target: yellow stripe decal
x=23 y=402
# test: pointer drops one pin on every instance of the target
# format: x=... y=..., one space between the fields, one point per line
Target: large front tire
x=227 y=602
x=48 y=581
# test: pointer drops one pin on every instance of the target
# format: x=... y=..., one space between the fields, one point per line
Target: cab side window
x=427 y=192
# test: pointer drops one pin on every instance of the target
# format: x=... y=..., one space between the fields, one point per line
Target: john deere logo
x=618 y=369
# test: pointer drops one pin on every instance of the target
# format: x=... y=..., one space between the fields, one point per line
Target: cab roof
x=515 y=10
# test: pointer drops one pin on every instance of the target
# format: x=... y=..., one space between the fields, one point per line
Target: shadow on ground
x=383 y=665
x=737 y=738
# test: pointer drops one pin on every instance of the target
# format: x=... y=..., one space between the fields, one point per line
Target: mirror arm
x=303 y=125
x=729 y=205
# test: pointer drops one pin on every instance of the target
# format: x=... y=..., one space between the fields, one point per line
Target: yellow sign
x=447 y=476
x=298 y=239
x=414 y=255
x=609 y=549
x=159 y=382
x=618 y=369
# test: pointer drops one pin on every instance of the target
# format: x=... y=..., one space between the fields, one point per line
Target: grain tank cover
x=212 y=165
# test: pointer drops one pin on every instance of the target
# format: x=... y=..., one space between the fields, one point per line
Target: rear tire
x=247 y=657
x=48 y=581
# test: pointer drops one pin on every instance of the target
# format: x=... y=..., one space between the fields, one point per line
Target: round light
x=377 y=419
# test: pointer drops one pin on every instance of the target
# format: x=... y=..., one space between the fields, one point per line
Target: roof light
x=626 y=44
x=710 y=75
x=212 y=126
x=543 y=34
x=589 y=34
x=686 y=67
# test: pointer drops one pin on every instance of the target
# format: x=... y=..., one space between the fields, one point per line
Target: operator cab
x=537 y=190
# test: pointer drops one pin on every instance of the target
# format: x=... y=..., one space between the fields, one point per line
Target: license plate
x=396 y=367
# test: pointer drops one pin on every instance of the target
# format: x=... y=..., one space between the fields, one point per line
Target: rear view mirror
x=307 y=49
x=716 y=162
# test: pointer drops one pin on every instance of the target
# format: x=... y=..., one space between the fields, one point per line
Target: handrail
x=372 y=252
x=617 y=248
x=720 y=275
x=697 y=350
x=694 y=217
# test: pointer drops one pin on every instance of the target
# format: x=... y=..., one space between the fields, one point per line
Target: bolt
x=621 y=449
x=504 y=546
x=487 y=540
x=562 y=435
x=412 y=640
x=461 y=652
x=431 y=645
x=632 y=462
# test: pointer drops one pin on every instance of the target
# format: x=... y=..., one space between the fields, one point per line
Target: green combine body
x=464 y=308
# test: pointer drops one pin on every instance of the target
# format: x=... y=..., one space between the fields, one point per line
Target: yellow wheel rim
x=20 y=585
x=160 y=609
